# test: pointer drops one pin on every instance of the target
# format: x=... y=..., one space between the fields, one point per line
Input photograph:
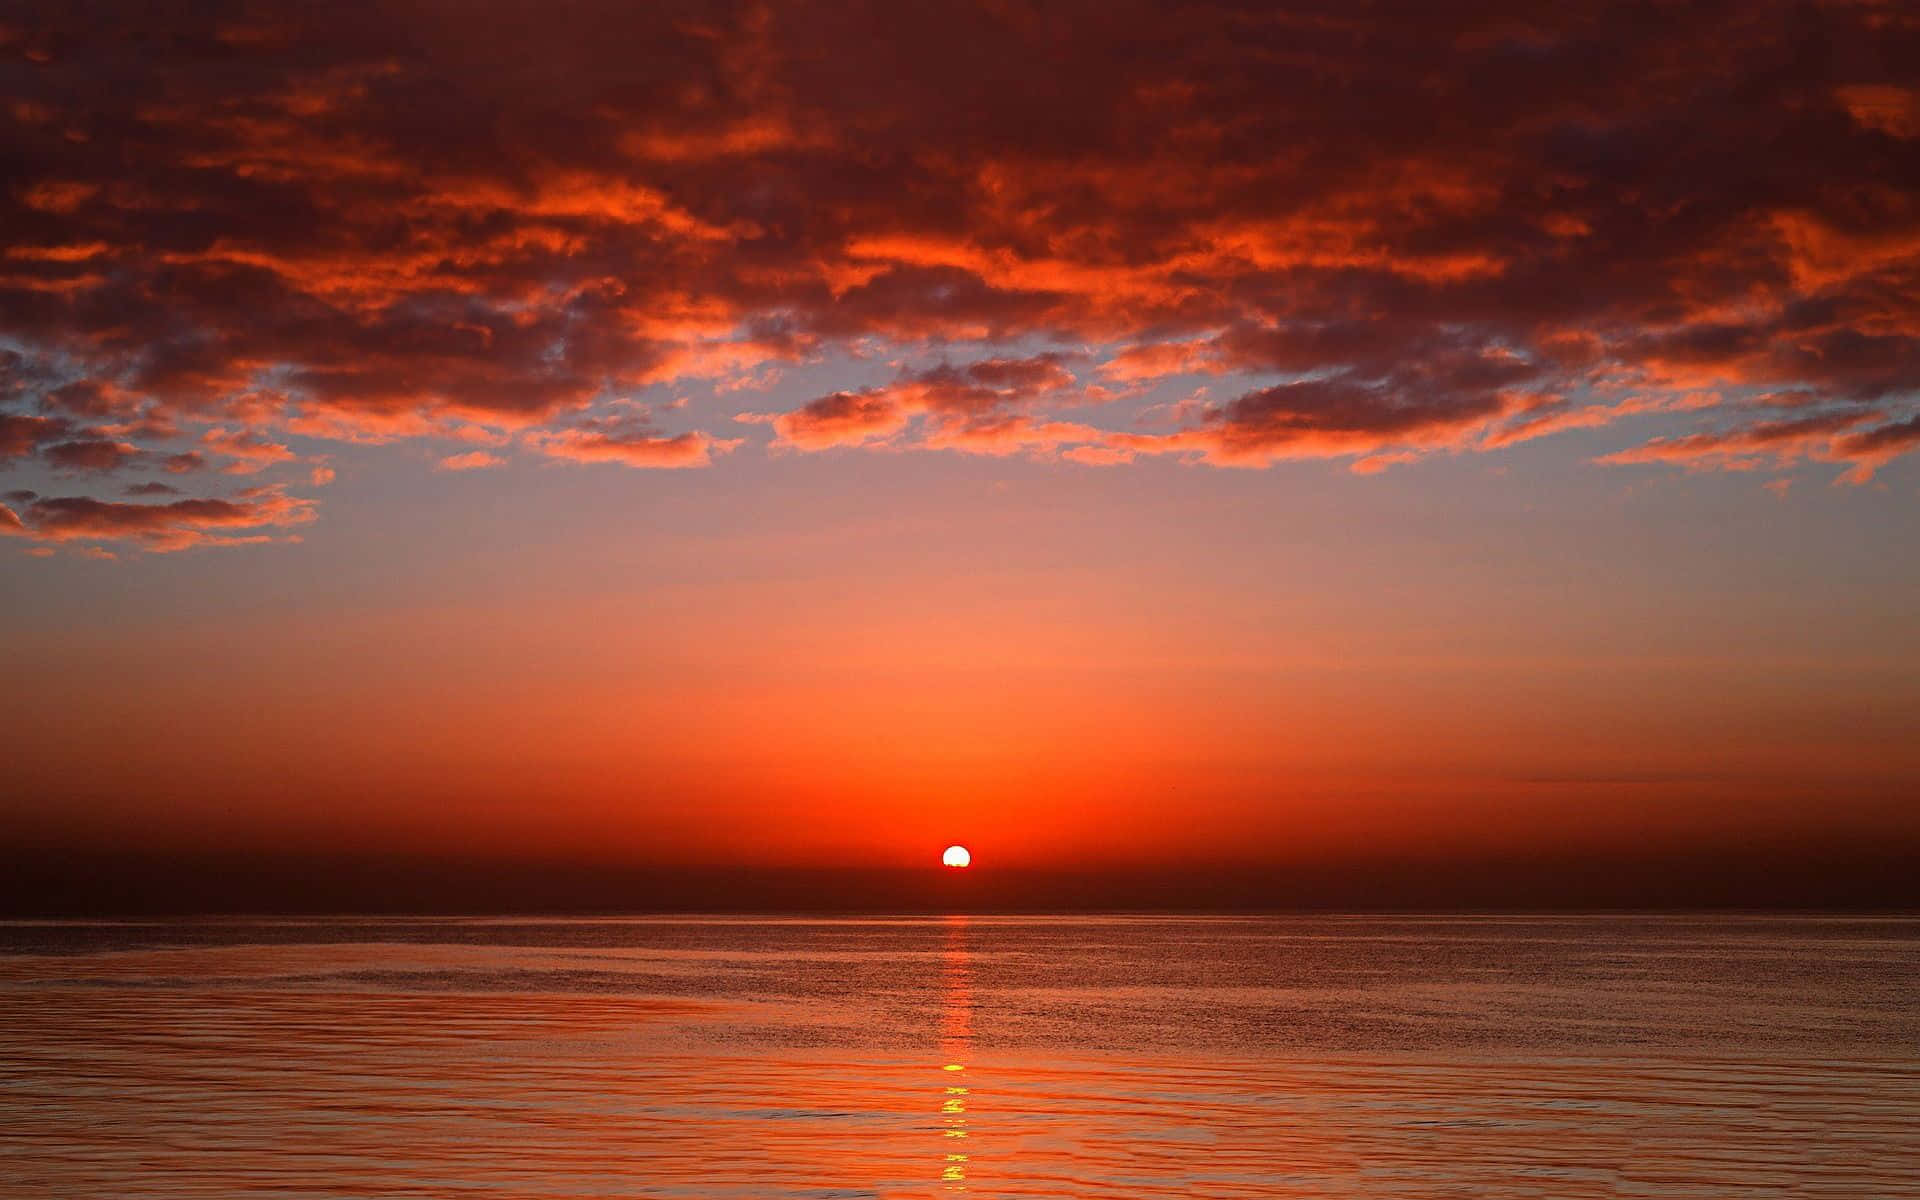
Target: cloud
x=1435 y=403
x=633 y=449
x=473 y=460
x=21 y=435
x=961 y=405
x=1384 y=233
x=174 y=525
x=90 y=398
x=1869 y=448
x=1834 y=436
x=90 y=454
x=250 y=452
x=840 y=419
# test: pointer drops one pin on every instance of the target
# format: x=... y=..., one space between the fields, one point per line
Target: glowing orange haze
x=815 y=434
x=876 y=711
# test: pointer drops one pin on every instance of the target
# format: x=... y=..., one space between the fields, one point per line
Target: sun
x=955 y=856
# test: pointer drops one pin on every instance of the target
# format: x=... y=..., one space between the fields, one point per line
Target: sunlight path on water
x=1318 y=1057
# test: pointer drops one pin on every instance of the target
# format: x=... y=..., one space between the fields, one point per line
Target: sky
x=1329 y=443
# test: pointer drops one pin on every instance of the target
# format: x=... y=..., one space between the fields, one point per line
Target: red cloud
x=21 y=434
x=176 y=525
x=1829 y=436
x=633 y=450
x=251 y=452
x=963 y=406
x=841 y=419
x=90 y=454
x=1392 y=231
x=473 y=460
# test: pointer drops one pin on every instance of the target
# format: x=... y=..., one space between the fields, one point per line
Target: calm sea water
x=1138 y=1057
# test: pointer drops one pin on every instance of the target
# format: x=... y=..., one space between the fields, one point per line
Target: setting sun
x=955 y=856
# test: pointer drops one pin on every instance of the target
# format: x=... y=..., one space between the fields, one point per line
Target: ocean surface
x=1468 y=1057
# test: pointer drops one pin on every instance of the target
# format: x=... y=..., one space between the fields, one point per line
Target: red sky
x=1110 y=435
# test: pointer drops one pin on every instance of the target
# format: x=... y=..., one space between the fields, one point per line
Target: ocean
x=1481 y=1057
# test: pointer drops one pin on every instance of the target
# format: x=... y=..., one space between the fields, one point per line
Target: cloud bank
x=1375 y=233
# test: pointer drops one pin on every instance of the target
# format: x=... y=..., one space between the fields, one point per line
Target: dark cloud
x=175 y=525
x=20 y=435
x=1847 y=435
x=90 y=454
x=969 y=406
x=89 y=398
x=628 y=438
x=1896 y=437
x=1395 y=228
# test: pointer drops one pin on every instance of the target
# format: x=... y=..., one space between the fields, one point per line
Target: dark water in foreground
x=1297 y=1057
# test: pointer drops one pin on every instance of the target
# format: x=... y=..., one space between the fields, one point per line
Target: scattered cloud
x=1378 y=233
x=90 y=454
x=248 y=453
x=1844 y=436
x=957 y=404
x=246 y=518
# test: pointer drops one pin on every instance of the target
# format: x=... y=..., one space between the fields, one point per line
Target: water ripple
x=1094 y=1058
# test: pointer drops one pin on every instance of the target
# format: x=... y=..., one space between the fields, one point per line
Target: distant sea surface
x=1330 y=1057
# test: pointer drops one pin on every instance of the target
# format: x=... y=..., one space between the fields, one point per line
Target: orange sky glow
x=791 y=436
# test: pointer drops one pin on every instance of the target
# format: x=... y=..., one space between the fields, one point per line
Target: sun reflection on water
x=956 y=1040
x=181 y=1062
